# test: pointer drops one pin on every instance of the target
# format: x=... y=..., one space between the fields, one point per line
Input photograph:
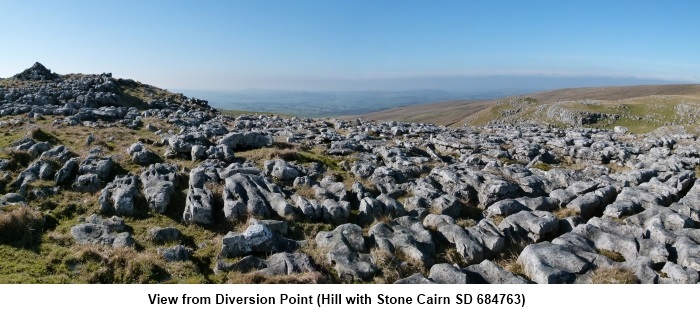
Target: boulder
x=118 y=196
x=89 y=183
x=550 y=263
x=490 y=273
x=447 y=274
x=407 y=235
x=345 y=246
x=159 y=184
x=248 y=195
x=257 y=238
x=100 y=231
x=287 y=264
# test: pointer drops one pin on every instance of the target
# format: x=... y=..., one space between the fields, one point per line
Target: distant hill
x=641 y=108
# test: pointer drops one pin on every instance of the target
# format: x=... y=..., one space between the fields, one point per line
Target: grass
x=395 y=266
x=497 y=219
x=613 y=275
x=258 y=278
x=542 y=166
x=20 y=226
x=508 y=259
x=451 y=256
x=615 y=256
x=466 y=222
x=565 y=213
x=637 y=107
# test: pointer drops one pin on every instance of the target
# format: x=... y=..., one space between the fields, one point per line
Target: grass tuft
x=615 y=256
x=21 y=226
x=614 y=275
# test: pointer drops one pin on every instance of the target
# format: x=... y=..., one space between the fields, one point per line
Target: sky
x=351 y=44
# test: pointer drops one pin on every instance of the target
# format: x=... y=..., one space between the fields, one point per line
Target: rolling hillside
x=640 y=108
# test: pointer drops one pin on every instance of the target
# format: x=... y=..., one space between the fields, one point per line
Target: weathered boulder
x=489 y=236
x=164 y=235
x=279 y=169
x=469 y=248
x=490 y=273
x=550 y=263
x=345 y=245
x=236 y=140
x=118 y=196
x=178 y=253
x=416 y=278
x=248 y=195
x=102 y=167
x=676 y=274
x=101 y=231
x=287 y=264
x=159 y=184
x=67 y=172
x=535 y=225
x=447 y=274
x=87 y=183
x=199 y=206
x=257 y=238
x=407 y=235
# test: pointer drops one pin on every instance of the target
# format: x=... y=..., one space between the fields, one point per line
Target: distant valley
x=325 y=104
x=371 y=96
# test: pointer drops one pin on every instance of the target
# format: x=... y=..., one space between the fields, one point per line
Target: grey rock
x=489 y=236
x=178 y=253
x=244 y=265
x=119 y=195
x=11 y=199
x=469 y=248
x=586 y=205
x=279 y=169
x=370 y=209
x=198 y=152
x=407 y=235
x=505 y=208
x=582 y=187
x=87 y=183
x=159 y=184
x=145 y=158
x=123 y=239
x=253 y=196
x=335 y=212
x=97 y=230
x=164 y=235
x=257 y=238
x=67 y=172
x=288 y=264
x=37 y=149
x=199 y=205
x=564 y=196
x=448 y=205
x=550 y=263
x=676 y=274
x=416 y=278
x=535 y=225
x=345 y=245
x=447 y=274
x=688 y=250
x=490 y=273
x=102 y=167
x=237 y=140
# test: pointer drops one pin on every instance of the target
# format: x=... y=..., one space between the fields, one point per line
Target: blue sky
x=301 y=44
